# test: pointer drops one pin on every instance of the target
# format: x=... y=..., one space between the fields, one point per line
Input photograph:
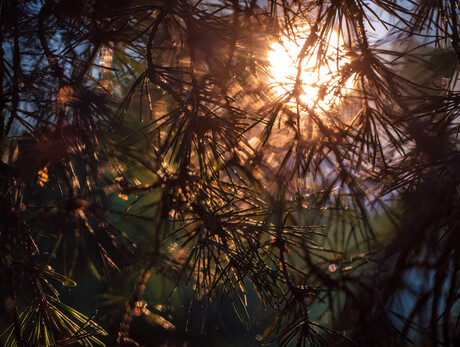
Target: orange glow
x=320 y=89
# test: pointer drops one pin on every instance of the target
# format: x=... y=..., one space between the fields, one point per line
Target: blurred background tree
x=229 y=172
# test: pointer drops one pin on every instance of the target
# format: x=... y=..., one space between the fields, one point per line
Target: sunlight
x=320 y=84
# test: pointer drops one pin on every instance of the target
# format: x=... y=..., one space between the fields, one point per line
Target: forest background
x=166 y=181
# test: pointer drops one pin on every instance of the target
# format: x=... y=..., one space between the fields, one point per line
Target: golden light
x=320 y=82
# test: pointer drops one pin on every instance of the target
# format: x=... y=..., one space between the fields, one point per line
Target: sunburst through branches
x=312 y=63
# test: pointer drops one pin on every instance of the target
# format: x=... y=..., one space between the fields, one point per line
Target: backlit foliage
x=150 y=140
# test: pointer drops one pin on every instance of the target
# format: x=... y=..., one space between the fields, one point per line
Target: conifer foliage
x=146 y=140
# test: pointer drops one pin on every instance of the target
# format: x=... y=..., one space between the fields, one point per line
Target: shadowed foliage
x=154 y=174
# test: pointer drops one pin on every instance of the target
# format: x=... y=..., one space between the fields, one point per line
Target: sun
x=321 y=89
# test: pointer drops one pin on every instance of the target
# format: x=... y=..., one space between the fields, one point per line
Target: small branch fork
x=300 y=294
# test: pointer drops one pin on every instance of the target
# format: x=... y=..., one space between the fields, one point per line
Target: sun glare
x=320 y=88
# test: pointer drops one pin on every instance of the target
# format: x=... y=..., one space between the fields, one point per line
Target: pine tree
x=153 y=141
